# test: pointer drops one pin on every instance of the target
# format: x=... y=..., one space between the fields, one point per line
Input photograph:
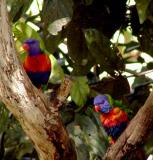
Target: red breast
x=39 y=63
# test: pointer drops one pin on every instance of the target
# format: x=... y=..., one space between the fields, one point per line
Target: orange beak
x=25 y=47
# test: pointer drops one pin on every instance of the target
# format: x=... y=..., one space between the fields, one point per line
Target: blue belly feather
x=39 y=78
x=115 y=131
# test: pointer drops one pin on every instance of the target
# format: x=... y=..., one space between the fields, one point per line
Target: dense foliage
x=97 y=59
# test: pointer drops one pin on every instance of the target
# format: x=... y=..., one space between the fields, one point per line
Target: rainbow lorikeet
x=36 y=64
x=113 y=118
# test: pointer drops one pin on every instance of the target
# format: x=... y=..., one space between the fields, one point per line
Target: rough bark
x=135 y=134
x=38 y=117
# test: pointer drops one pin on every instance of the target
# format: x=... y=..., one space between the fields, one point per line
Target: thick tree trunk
x=135 y=134
x=38 y=117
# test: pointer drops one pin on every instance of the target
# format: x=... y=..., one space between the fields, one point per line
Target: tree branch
x=38 y=117
x=135 y=133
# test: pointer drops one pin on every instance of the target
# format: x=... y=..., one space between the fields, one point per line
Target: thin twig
x=134 y=74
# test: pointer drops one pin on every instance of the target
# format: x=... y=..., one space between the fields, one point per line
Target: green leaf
x=25 y=148
x=86 y=124
x=22 y=31
x=99 y=47
x=75 y=133
x=80 y=91
x=87 y=138
x=83 y=62
x=88 y=2
x=142 y=6
x=150 y=65
x=56 y=9
x=57 y=73
x=57 y=25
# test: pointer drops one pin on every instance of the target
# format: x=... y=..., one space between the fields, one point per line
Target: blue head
x=32 y=47
x=101 y=103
